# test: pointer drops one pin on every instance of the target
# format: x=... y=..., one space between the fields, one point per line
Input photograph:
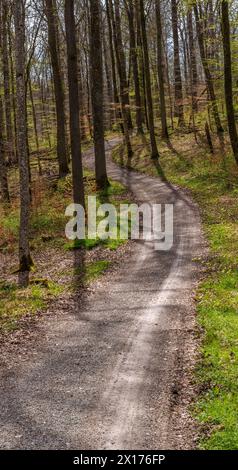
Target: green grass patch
x=16 y=302
x=92 y=271
x=84 y=274
x=215 y=187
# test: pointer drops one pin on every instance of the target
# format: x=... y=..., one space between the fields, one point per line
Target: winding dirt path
x=114 y=372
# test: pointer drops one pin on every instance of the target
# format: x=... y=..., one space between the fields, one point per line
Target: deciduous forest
x=132 y=101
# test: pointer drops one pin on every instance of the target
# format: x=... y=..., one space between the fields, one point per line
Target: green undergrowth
x=92 y=270
x=213 y=182
x=87 y=272
x=16 y=302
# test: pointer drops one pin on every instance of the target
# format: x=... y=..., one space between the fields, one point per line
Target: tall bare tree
x=193 y=60
x=113 y=66
x=96 y=67
x=75 y=137
x=121 y=75
x=6 y=76
x=160 y=66
x=20 y=61
x=121 y=61
x=3 y=167
x=228 y=78
x=130 y=9
x=154 y=149
x=178 y=87
x=207 y=72
x=62 y=151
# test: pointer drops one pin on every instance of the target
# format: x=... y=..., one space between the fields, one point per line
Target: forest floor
x=54 y=270
x=112 y=368
x=212 y=181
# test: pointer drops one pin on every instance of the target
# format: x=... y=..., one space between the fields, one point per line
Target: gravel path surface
x=114 y=370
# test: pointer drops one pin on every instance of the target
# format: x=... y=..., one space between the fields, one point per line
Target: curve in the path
x=110 y=374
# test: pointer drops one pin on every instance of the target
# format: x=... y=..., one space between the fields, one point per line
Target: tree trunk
x=109 y=106
x=6 y=77
x=160 y=66
x=96 y=69
x=208 y=136
x=88 y=84
x=113 y=64
x=154 y=149
x=178 y=89
x=141 y=67
x=62 y=152
x=193 y=61
x=33 y=114
x=228 y=78
x=75 y=137
x=13 y=88
x=81 y=90
x=213 y=52
x=3 y=167
x=121 y=62
x=207 y=73
x=35 y=125
x=24 y=250
x=81 y=103
x=165 y=47
x=124 y=110
x=46 y=127
x=134 y=59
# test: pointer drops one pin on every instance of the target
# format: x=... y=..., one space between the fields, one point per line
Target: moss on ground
x=16 y=302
